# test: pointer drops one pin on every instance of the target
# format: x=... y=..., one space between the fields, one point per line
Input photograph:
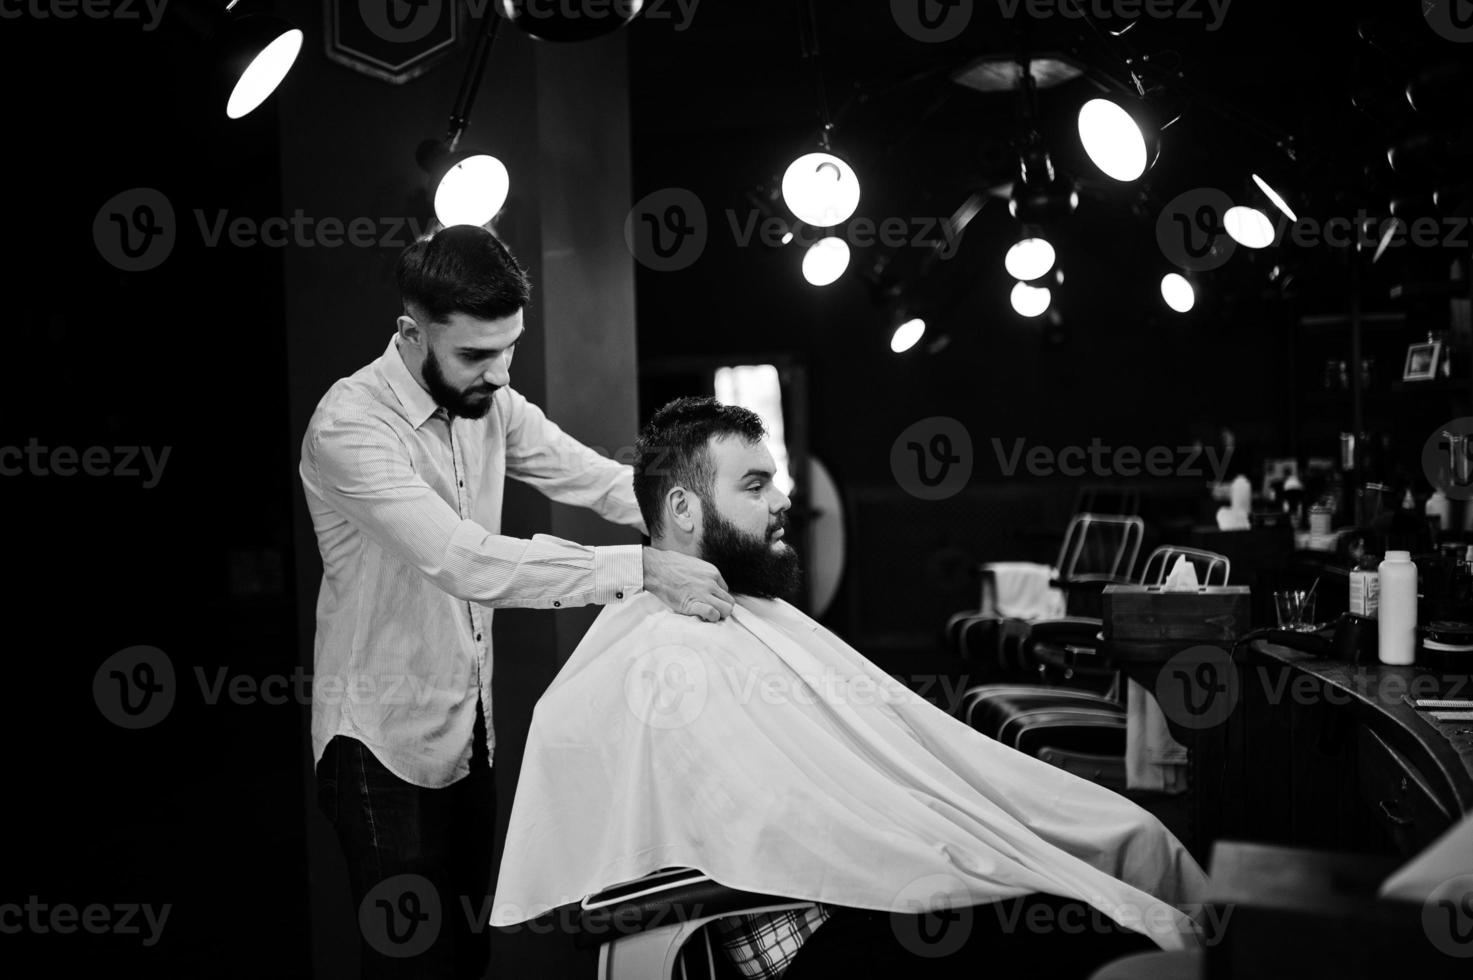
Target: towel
x=1154 y=760
x=1021 y=590
x=767 y=753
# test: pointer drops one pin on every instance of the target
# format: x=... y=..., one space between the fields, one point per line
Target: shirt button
x=462 y=483
x=556 y=603
x=478 y=637
x=618 y=595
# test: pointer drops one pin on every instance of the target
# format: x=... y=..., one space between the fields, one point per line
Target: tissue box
x=1219 y=613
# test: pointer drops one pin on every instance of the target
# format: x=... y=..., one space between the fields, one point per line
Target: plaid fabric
x=761 y=946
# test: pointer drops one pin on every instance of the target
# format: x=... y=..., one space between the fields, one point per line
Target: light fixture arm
x=808 y=40
x=470 y=83
x=1127 y=57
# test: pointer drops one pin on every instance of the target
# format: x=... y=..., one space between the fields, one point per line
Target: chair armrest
x=1079 y=631
x=1073 y=645
x=666 y=898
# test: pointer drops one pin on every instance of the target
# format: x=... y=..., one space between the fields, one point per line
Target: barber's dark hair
x=462 y=269
x=673 y=451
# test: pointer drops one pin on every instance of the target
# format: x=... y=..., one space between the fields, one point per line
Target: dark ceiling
x=1243 y=77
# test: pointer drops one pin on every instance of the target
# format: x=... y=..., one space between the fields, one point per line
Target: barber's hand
x=688 y=585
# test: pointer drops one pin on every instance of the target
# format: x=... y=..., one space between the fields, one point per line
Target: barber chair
x=1098 y=549
x=1077 y=729
x=654 y=928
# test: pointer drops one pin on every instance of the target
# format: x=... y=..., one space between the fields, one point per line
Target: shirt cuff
x=618 y=573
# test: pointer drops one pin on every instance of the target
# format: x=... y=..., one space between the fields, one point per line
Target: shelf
x=1450 y=287
x=1462 y=385
x=1336 y=323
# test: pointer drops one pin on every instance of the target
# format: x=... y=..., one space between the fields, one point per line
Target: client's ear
x=684 y=508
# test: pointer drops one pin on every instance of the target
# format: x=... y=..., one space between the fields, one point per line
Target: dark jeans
x=419 y=861
x=1030 y=936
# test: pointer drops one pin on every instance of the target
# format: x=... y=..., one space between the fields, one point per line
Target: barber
x=403 y=465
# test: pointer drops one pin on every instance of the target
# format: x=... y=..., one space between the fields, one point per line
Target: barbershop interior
x=1054 y=419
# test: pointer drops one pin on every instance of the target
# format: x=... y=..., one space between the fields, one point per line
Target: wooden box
x=1144 y=613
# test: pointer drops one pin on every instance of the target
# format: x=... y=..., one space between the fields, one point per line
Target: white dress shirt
x=406 y=503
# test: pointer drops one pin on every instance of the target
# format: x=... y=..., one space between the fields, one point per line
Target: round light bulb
x=825 y=261
x=1030 y=259
x=472 y=192
x=907 y=335
x=1031 y=301
x=264 y=73
x=1178 y=292
x=1248 y=227
x=1112 y=139
x=821 y=190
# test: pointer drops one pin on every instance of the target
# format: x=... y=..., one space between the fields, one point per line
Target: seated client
x=766 y=752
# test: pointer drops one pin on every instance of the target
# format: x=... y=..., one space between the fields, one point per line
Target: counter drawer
x=1400 y=798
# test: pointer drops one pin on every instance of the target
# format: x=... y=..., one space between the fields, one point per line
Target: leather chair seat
x=1030 y=718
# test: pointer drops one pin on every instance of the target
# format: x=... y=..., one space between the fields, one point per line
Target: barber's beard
x=750 y=565
x=457 y=403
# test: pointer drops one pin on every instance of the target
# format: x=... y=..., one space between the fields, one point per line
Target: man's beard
x=457 y=403
x=749 y=565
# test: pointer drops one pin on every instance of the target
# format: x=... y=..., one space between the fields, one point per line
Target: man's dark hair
x=672 y=451
x=461 y=269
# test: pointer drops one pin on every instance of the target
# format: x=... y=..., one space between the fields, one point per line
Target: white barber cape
x=769 y=754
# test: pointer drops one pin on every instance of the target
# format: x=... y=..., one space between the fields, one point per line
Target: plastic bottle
x=1397 y=613
x=1440 y=508
x=1240 y=494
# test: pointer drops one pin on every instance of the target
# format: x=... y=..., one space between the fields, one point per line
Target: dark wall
x=192 y=806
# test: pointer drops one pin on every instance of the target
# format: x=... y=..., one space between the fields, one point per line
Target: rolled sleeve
x=618 y=573
x=362 y=470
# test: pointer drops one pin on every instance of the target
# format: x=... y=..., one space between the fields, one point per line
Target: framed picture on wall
x=1277 y=471
x=1422 y=361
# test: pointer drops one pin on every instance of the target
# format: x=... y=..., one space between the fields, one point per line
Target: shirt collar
x=419 y=407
